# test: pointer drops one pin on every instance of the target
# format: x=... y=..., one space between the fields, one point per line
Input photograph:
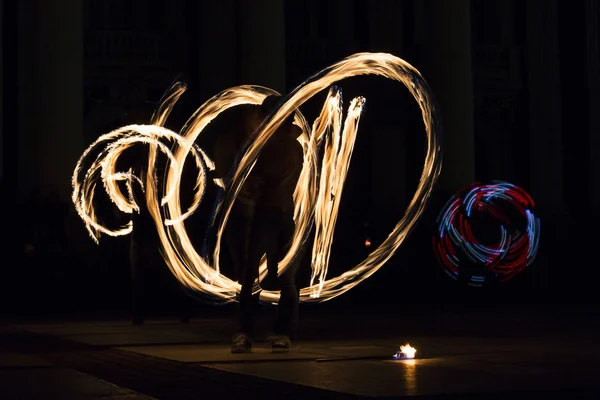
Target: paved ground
x=494 y=355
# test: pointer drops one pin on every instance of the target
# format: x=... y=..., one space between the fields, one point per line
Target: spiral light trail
x=456 y=242
x=317 y=195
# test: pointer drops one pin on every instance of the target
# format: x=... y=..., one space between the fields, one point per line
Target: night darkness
x=517 y=84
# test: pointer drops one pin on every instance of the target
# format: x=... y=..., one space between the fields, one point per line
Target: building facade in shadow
x=517 y=84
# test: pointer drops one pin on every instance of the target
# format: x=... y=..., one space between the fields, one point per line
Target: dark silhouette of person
x=240 y=123
x=147 y=266
x=269 y=230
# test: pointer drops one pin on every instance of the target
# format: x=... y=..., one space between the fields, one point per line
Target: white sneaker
x=241 y=344
x=280 y=343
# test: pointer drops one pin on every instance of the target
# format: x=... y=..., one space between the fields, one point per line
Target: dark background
x=517 y=83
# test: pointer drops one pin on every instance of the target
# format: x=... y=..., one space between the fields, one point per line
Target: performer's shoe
x=280 y=343
x=241 y=344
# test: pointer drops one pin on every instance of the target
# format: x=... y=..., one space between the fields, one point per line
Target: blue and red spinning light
x=487 y=232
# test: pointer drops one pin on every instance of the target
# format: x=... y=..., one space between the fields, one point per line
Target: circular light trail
x=509 y=213
x=317 y=195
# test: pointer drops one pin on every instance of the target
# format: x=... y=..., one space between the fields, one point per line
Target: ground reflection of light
x=409 y=370
x=317 y=196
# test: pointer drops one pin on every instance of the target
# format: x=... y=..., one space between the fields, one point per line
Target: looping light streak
x=317 y=195
x=514 y=251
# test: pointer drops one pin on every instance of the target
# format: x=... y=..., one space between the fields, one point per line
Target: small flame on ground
x=406 y=352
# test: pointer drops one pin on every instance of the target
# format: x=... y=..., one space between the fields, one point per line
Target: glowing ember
x=317 y=196
x=406 y=352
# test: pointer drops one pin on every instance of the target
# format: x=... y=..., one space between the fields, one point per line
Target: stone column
x=261 y=38
x=344 y=29
x=217 y=31
x=9 y=102
x=545 y=147
x=9 y=138
x=546 y=167
x=444 y=41
x=592 y=12
x=385 y=26
x=388 y=141
x=52 y=100
x=1 y=97
x=176 y=35
x=25 y=160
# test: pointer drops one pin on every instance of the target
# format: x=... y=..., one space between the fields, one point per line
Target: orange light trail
x=316 y=202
